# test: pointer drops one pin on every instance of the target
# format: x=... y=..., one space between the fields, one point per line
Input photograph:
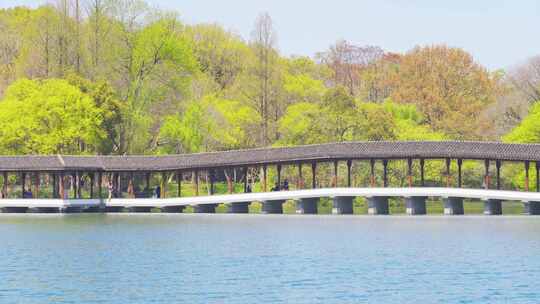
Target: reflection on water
x=123 y=258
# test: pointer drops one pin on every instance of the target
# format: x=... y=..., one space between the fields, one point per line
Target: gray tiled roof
x=334 y=151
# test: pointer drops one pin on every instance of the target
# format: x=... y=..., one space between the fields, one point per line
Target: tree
x=340 y=109
x=526 y=78
x=448 y=87
x=528 y=131
x=155 y=65
x=263 y=41
x=346 y=62
x=221 y=54
x=110 y=106
x=303 y=88
x=210 y=124
x=302 y=124
x=98 y=27
x=49 y=117
x=185 y=134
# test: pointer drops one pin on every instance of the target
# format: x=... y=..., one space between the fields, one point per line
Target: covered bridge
x=60 y=167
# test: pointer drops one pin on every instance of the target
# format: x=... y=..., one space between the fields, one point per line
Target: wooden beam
x=486 y=174
x=278 y=167
x=460 y=178
x=92 y=182
x=448 y=176
x=526 y=175
x=76 y=185
x=61 y=186
x=131 y=186
x=349 y=166
x=422 y=172
x=196 y=177
x=385 y=173
x=5 y=185
x=498 y=166
x=409 y=172
x=335 y=182
x=313 y=175
x=265 y=178
x=100 y=186
x=245 y=179
x=23 y=184
x=372 y=173
x=537 y=177
x=179 y=182
x=300 y=184
x=164 y=178
x=35 y=180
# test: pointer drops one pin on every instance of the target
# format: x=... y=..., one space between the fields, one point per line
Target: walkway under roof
x=284 y=155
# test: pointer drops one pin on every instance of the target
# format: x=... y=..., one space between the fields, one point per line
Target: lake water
x=188 y=258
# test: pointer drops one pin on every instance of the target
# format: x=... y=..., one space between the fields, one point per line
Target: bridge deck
x=281 y=195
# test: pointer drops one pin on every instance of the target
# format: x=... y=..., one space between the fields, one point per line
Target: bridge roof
x=252 y=157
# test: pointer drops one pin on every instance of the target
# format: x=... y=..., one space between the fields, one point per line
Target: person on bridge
x=285 y=185
x=275 y=188
x=111 y=189
x=158 y=192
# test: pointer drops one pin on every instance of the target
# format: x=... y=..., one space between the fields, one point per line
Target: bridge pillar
x=238 y=207
x=453 y=206
x=532 y=208
x=272 y=207
x=140 y=209
x=307 y=205
x=44 y=210
x=14 y=209
x=416 y=205
x=492 y=207
x=378 y=205
x=173 y=209
x=205 y=208
x=114 y=209
x=343 y=205
x=70 y=209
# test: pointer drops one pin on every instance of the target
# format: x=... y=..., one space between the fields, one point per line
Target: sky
x=498 y=33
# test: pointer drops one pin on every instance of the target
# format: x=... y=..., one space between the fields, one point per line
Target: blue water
x=154 y=258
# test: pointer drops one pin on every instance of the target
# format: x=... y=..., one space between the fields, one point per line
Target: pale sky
x=499 y=33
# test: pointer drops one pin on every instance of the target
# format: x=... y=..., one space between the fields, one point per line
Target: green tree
x=111 y=108
x=302 y=124
x=48 y=117
x=340 y=109
x=156 y=67
x=528 y=131
x=186 y=133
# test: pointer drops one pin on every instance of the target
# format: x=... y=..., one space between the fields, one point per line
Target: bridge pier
x=114 y=209
x=44 y=210
x=71 y=209
x=453 y=206
x=343 y=205
x=272 y=207
x=416 y=205
x=307 y=205
x=173 y=209
x=93 y=209
x=532 y=208
x=14 y=209
x=140 y=209
x=238 y=207
x=378 y=205
x=492 y=207
x=205 y=208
